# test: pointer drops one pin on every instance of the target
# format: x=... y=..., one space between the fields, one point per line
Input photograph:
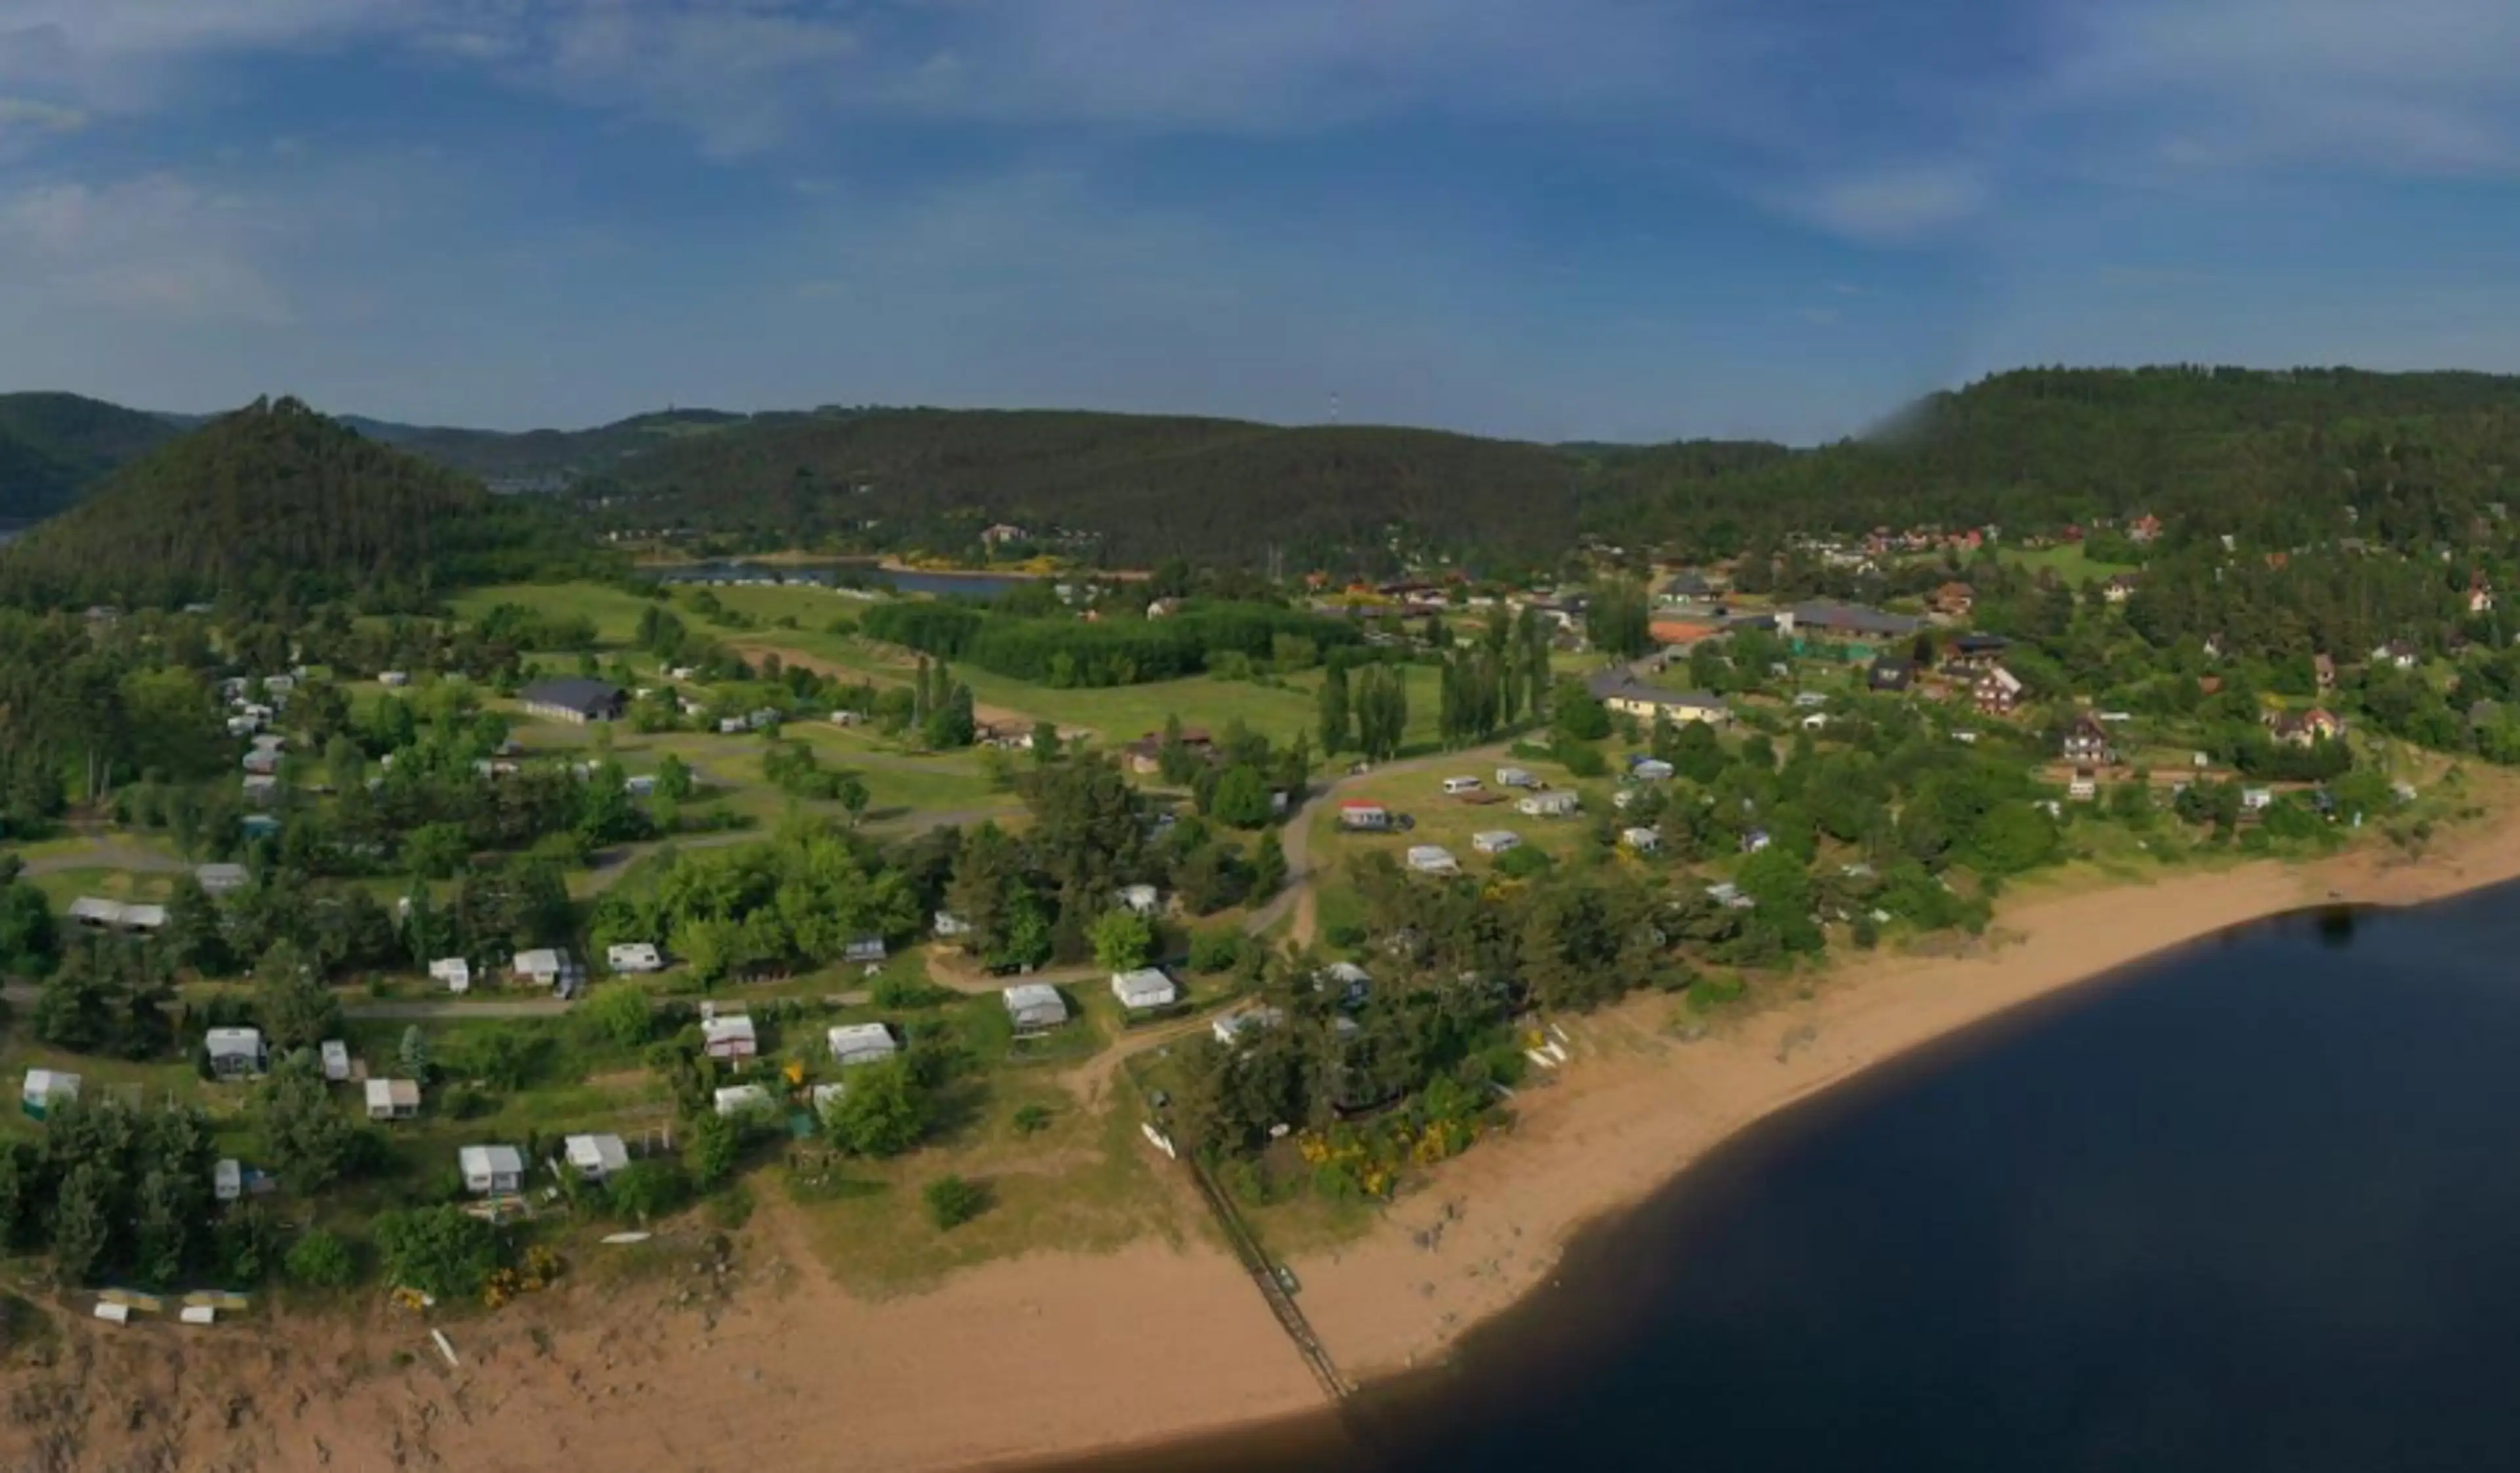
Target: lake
x=2252 y=1206
x=845 y=573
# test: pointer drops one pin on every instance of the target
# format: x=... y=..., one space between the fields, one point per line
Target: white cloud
x=1894 y=205
x=157 y=248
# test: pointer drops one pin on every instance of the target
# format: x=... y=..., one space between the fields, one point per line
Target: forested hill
x=1147 y=486
x=2278 y=457
x=55 y=446
x=272 y=499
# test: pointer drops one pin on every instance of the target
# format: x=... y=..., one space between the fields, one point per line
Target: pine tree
x=1333 y=715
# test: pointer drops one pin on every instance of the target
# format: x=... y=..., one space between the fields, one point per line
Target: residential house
x=1146 y=754
x=2086 y=742
x=1952 y=601
x=394 y=1098
x=1997 y=691
x=1432 y=858
x=95 y=914
x=854 y=1043
x=1889 y=677
x=492 y=1170
x=45 y=1089
x=1839 y=623
x=234 y=1052
x=1035 y=1005
x=1974 y=652
x=1560 y=804
x=227 y=1180
x=2084 y=788
x=1144 y=988
x=453 y=972
x=634 y=957
x=575 y=699
x=262 y=764
x=394 y=680
x=2144 y=530
x=2120 y=588
x=728 y=1038
x=1625 y=695
x=596 y=1158
x=2305 y=729
x=1495 y=840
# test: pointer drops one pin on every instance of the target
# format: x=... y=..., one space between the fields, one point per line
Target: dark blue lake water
x=2252 y=1206
x=854 y=574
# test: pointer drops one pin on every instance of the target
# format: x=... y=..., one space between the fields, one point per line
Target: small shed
x=234 y=1052
x=595 y=1158
x=453 y=972
x=492 y=1170
x=730 y=1039
x=742 y=1099
x=336 y=1060
x=1035 y=1005
x=394 y=1098
x=46 y=1088
x=854 y=1043
x=634 y=957
x=1144 y=988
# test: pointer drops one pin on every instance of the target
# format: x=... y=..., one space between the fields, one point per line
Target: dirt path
x=1295 y=836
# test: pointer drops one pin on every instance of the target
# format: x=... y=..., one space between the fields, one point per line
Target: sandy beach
x=1060 y=1353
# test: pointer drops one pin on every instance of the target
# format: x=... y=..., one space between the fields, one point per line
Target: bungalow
x=46 y=1088
x=1232 y=1028
x=222 y=879
x=234 y=1052
x=1495 y=840
x=824 y=1097
x=454 y=972
x=742 y=1099
x=336 y=1055
x=394 y=1098
x=634 y=957
x=1729 y=895
x=1144 y=988
x=1560 y=804
x=595 y=1158
x=2480 y=594
x=258 y=826
x=575 y=699
x=2086 y=742
x=1810 y=700
x=1357 y=815
x=550 y=967
x=2306 y=729
x=1035 y=1005
x=728 y=1038
x=1141 y=900
x=854 y=1043
x=1997 y=691
x=1626 y=696
x=492 y=1170
x=1642 y=840
x=643 y=785
x=1432 y=858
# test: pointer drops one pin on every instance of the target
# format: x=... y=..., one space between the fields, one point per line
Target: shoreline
x=1061 y=1358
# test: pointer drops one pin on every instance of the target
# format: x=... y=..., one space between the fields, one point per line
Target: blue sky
x=1551 y=218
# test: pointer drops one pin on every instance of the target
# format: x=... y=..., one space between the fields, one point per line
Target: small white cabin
x=1495 y=840
x=730 y=1037
x=634 y=957
x=854 y=1043
x=1147 y=986
x=394 y=1098
x=492 y=1170
x=1035 y=1005
x=595 y=1158
x=454 y=973
x=234 y=1052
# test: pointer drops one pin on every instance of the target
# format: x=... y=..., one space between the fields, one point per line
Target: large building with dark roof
x=575 y=699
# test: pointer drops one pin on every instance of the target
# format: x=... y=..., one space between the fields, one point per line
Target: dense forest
x=55 y=446
x=272 y=499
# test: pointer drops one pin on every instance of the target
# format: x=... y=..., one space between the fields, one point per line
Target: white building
x=394 y=1098
x=1147 y=986
x=1649 y=770
x=1515 y=776
x=336 y=1055
x=1433 y=858
x=234 y=1052
x=550 y=967
x=729 y=1039
x=1560 y=804
x=743 y=1099
x=227 y=1179
x=595 y=1158
x=222 y=879
x=492 y=1170
x=454 y=973
x=1495 y=840
x=45 y=1089
x=634 y=957
x=1141 y=900
x=1352 y=981
x=854 y=1043
x=1035 y=1005
x=1642 y=840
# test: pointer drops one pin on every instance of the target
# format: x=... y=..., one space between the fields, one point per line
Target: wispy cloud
x=157 y=248
x=1893 y=206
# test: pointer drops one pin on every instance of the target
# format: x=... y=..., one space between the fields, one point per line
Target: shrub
x=1215 y=951
x=441 y=1251
x=1582 y=758
x=1524 y=862
x=1032 y=1120
x=953 y=1201
x=645 y=1190
x=321 y=1260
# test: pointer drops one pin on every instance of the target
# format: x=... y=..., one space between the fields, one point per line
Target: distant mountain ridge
x=55 y=446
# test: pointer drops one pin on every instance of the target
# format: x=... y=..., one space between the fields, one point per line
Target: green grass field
x=2066 y=559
